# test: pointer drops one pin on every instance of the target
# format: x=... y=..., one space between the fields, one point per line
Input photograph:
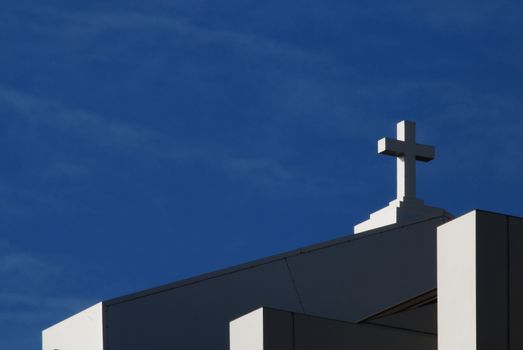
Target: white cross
x=407 y=151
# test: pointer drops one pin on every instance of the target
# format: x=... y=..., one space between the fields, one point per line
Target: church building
x=411 y=277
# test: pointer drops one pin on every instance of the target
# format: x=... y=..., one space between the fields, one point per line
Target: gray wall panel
x=313 y=333
x=360 y=277
x=197 y=316
x=278 y=330
x=293 y=331
x=346 y=279
x=491 y=281
x=516 y=283
x=423 y=319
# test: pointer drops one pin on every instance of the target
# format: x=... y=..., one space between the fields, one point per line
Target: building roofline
x=263 y=261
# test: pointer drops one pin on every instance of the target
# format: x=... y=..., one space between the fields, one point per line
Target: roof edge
x=263 y=261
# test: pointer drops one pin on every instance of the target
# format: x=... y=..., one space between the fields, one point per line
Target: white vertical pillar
x=406 y=163
x=457 y=284
x=246 y=332
x=83 y=331
x=473 y=283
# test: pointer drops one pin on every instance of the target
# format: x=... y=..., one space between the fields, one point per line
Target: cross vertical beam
x=406 y=164
x=407 y=152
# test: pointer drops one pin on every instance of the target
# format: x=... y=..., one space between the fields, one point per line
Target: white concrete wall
x=457 y=284
x=246 y=332
x=83 y=331
x=480 y=282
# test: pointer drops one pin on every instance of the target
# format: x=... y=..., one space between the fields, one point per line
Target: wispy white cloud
x=123 y=137
x=99 y=23
x=19 y=201
x=25 y=299
x=467 y=124
x=22 y=271
x=263 y=171
x=455 y=107
x=65 y=171
x=343 y=106
x=459 y=16
x=350 y=109
x=24 y=266
x=35 y=110
x=84 y=31
x=27 y=307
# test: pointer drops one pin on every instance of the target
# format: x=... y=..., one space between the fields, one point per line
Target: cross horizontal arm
x=425 y=153
x=397 y=148
x=391 y=147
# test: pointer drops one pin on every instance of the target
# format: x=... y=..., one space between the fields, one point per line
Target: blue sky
x=147 y=141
